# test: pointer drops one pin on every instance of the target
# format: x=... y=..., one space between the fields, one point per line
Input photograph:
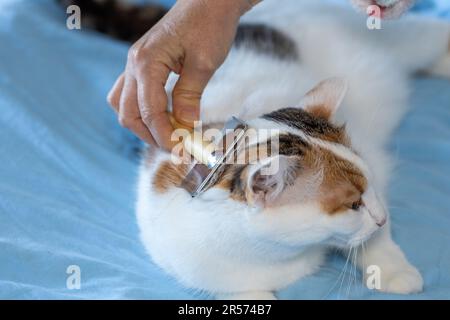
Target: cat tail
x=117 y=18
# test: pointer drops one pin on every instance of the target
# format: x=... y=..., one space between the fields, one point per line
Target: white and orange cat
x=306 y=68
x=252 y=234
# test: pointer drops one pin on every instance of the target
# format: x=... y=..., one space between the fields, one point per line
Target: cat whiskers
x=344 y=273
x=363 y=263
x=341 y=274
x=352 y=273
x=355 y=267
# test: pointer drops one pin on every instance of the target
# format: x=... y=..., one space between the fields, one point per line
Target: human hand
x=192 y=40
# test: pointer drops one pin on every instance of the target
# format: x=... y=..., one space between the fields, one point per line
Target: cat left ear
x=325 y=98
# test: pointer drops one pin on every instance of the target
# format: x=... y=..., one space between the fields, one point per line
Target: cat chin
x=354 y=241
x=359 y=240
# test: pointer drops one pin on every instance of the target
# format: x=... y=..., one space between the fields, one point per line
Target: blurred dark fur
x=117 y=18
x=129 y=22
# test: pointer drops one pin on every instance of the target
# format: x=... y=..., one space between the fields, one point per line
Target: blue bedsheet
x=67 y=174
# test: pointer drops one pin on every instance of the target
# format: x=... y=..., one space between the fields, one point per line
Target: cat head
x=389 y=9
x=314 y=187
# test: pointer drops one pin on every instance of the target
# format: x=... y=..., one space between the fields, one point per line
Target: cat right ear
x=267 y=180
x=325 y=98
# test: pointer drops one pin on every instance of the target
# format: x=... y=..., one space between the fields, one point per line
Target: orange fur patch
x=343 y=183
x=169 y=175
x=320 y=112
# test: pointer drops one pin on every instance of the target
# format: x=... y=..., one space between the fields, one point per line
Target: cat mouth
x=387 y=11
x=383 y=10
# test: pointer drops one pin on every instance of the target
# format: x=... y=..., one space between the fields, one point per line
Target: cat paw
x=250 y=295
x=404 y=281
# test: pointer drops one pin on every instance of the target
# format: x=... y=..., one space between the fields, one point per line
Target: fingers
x=142 y=108
x=129 y=113
x=115 y=93
x=142 y=104
x=152 y=99
x=188 y=91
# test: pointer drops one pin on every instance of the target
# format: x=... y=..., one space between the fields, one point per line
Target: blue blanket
x=68 y=171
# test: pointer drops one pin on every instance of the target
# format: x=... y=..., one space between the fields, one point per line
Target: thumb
x=187 y=93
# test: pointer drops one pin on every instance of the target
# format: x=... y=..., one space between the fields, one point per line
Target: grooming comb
x=209 y=159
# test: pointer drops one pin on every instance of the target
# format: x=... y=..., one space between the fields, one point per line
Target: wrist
x=235 y=8
x=238 y=6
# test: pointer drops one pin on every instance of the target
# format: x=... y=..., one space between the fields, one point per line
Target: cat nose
x=374 y=207
x=379 y=217
x=382 y=222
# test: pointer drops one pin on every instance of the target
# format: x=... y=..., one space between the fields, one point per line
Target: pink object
x=390 y=9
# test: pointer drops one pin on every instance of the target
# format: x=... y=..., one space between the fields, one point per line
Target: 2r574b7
x=237 y=309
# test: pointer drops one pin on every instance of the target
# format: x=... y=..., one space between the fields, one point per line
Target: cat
x=232 y=245
x=335 y=91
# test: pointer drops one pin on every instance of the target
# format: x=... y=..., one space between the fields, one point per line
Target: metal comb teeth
x=202 y=176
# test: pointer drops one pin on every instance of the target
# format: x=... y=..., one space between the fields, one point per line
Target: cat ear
x=267 y=179
x=325 y=98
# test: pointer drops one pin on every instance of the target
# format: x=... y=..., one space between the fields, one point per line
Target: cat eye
x=356 y=205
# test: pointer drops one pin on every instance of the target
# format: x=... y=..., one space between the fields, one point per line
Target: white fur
x=235 y=251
